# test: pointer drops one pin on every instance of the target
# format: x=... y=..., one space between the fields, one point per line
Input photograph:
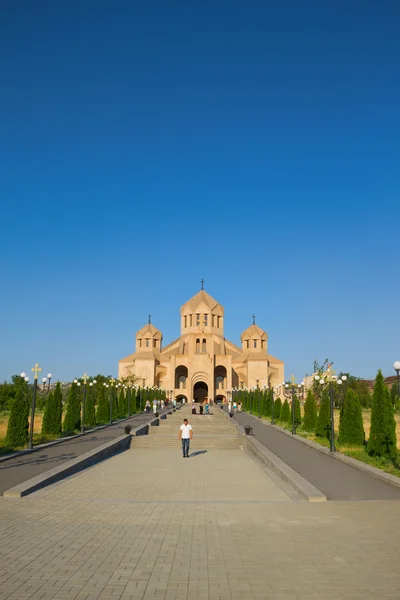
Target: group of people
x=234 y=406
x=204 y=407
x=158 y=404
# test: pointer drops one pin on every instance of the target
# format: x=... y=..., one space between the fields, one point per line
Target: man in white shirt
x=185 y=434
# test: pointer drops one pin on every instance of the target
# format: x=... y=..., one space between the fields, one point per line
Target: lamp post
x=84 y=378
x=330 y=377
x=111 y=385
x=290 y=391
x=396 y=367
x=36 y=390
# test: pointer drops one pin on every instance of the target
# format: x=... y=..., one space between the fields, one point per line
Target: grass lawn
x=37 y=436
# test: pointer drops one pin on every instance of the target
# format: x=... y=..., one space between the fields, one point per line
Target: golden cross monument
x=112 y=381
x=85 y=377
x=36 y=370
x=293 y=380
x=330 y=374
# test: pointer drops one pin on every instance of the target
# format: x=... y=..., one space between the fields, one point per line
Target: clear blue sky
x=145 y=145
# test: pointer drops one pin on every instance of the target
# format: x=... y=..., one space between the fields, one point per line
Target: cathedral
x=202 y=363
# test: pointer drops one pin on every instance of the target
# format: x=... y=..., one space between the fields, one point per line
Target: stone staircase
x=210 y=432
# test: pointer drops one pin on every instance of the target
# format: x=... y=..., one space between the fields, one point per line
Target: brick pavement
x=150 y=525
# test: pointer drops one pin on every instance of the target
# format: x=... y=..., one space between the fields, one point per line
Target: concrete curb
x=358 y=464
x=69 y=468
x=278 y=466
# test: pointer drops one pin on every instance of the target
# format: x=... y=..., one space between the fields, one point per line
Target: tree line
x=103 y=404
x=316 y=418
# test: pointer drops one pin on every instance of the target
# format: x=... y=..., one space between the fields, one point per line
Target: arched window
x=147 y=343
x=155 y=343
x=197 y=346
x=140 y=343
x=247 y=344
x=182 y=382
x=206 y=320
x=255 y=344
x=197 y=319
x=204 y=346
x=185 y=323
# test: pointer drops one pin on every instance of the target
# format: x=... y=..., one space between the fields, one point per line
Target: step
x=198 y=443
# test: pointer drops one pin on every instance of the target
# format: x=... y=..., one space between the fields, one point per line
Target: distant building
x=201 y=363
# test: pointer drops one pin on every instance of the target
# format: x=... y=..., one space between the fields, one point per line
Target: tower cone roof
x=253 y=329
x=150 y=330
x=202 y=298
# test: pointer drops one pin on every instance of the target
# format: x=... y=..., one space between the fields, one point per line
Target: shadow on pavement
x=197 y=453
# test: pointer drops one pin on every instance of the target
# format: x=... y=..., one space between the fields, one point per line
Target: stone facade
x=201 y=363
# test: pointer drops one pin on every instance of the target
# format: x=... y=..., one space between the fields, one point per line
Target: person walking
x=185 y=434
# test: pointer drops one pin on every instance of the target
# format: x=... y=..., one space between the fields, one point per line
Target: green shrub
x=90 y=409
x=18 y=424
x=72 y=419
x=52 y=418
x=285 y=412
x=297 y=413
x=277 y=409
x=310 y=412
x=103 y=405
x=351 y=426
x=382 y=436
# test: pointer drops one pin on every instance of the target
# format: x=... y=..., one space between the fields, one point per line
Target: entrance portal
x=200 y=391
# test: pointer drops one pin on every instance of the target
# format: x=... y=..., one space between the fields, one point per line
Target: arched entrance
x=181 y=398
x=219 y=399
x=200 y=391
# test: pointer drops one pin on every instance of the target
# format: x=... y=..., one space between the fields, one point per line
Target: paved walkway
x=17 y=470
x=149 y=525
x=337 y=480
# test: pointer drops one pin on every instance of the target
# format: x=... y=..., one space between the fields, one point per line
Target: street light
x=331 y=378
x=292 y=391
x=36 y=390
x=84 y=378
x=396 y=367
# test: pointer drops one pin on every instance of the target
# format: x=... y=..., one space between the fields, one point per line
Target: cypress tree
x=285 y=412
x=268 y=404
x=394 y=395
x=72 y=419
x=277 y=409
x=297 y=414
x=90 y=409
x=18 y=424
x=103 y=405
x=58 y=411
x=351 y=426
x=391 y=426
x=52 y=418
x=382 y=436
x=324 y=421
x=121 y=405
x=48 y=416
x=114 y=400
x=310 y=412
